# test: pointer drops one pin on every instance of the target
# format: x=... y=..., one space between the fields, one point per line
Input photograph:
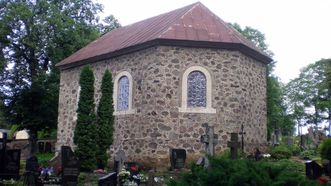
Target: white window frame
x=130 y=110
x=208 y=108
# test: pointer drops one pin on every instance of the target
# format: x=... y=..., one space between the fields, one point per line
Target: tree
x=85 y=131
x=105 y=120
x=310 y=94
x=34 y=36
x=109 y=24
x=277 y=116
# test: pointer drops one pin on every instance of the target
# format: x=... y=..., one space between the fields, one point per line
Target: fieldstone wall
x=238 y=95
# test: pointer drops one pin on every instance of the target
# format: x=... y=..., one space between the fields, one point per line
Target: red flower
x=134 y=168
x=323 y=180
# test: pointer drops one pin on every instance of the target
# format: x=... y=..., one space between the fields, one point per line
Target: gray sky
x=297 y=31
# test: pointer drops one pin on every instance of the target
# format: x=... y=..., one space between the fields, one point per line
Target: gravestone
x=289 y=141
x=108 y=180
x=9 y=161
x=10 y=164
x=234 y=144
x=313 y=170
x=120 y=159
x=242 y=133
x=70 y=165
x=41 y=147
x=177 y=158
x=48 y=147
x=210 y=140
x=326 y=167
x=32 y=172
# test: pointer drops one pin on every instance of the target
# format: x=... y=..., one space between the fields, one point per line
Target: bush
x=311 y=154
x=224 y=171
x=295 y=150
x=281 y=152
x=43 y=158
x=325 y=149
x=85 y=131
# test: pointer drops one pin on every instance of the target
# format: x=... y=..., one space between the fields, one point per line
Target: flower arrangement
x=142 y=177
x=124 y=174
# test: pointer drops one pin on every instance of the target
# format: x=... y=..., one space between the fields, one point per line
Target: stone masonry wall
x=238 y=95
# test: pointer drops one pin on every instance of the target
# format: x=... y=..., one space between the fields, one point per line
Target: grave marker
x=120 y=159
x=177 y=158
x=108 y=180
x=70 y=165
x=210 y=140
x=234 y=144
x=31 y=173
x=242 y=133
x=313 y=170
x=9 y=161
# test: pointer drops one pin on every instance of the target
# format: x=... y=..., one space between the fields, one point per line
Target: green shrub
x=295 y=150
x=105 y=120
x=310 y=153
x=325 y=149
x=43 y=158
x=85 y=131
x=224 y=171
x=281 y=152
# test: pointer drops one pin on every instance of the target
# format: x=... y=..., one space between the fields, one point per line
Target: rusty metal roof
x=190 y=25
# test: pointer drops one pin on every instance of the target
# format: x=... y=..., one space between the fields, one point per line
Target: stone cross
x=234 y=144
x=209 y=139
x=120 y=159
x=242 y=133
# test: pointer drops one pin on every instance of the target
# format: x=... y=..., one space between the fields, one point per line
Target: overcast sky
x=297 y=31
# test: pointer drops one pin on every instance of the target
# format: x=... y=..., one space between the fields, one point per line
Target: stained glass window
x=123 y=94
x=196 y=89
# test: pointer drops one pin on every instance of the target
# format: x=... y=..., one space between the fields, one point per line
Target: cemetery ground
x=287 y=165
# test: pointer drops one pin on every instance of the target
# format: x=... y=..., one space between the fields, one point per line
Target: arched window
x=123 y=93
x=196 y=91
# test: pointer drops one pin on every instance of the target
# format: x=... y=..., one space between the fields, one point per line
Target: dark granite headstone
x=313 y=170
x=48 y=147
x=108 y=180
x=10 y=164
x=326 y=167
x=32 y=172
x=9 y=161
x=70 y=165
x=41 y=147
x=177 y=158
x=234 y=144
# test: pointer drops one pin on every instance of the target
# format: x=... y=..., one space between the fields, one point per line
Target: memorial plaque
x=177 y=158
x=70 y=165
x=10 y=164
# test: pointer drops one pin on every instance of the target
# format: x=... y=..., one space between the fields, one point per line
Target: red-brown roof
x=190 y=25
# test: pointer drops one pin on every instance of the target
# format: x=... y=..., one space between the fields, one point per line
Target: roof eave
x=172 y=42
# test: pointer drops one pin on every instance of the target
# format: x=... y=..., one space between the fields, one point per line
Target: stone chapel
x=172 y=73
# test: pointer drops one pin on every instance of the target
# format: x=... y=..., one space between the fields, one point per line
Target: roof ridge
x=193 y=5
